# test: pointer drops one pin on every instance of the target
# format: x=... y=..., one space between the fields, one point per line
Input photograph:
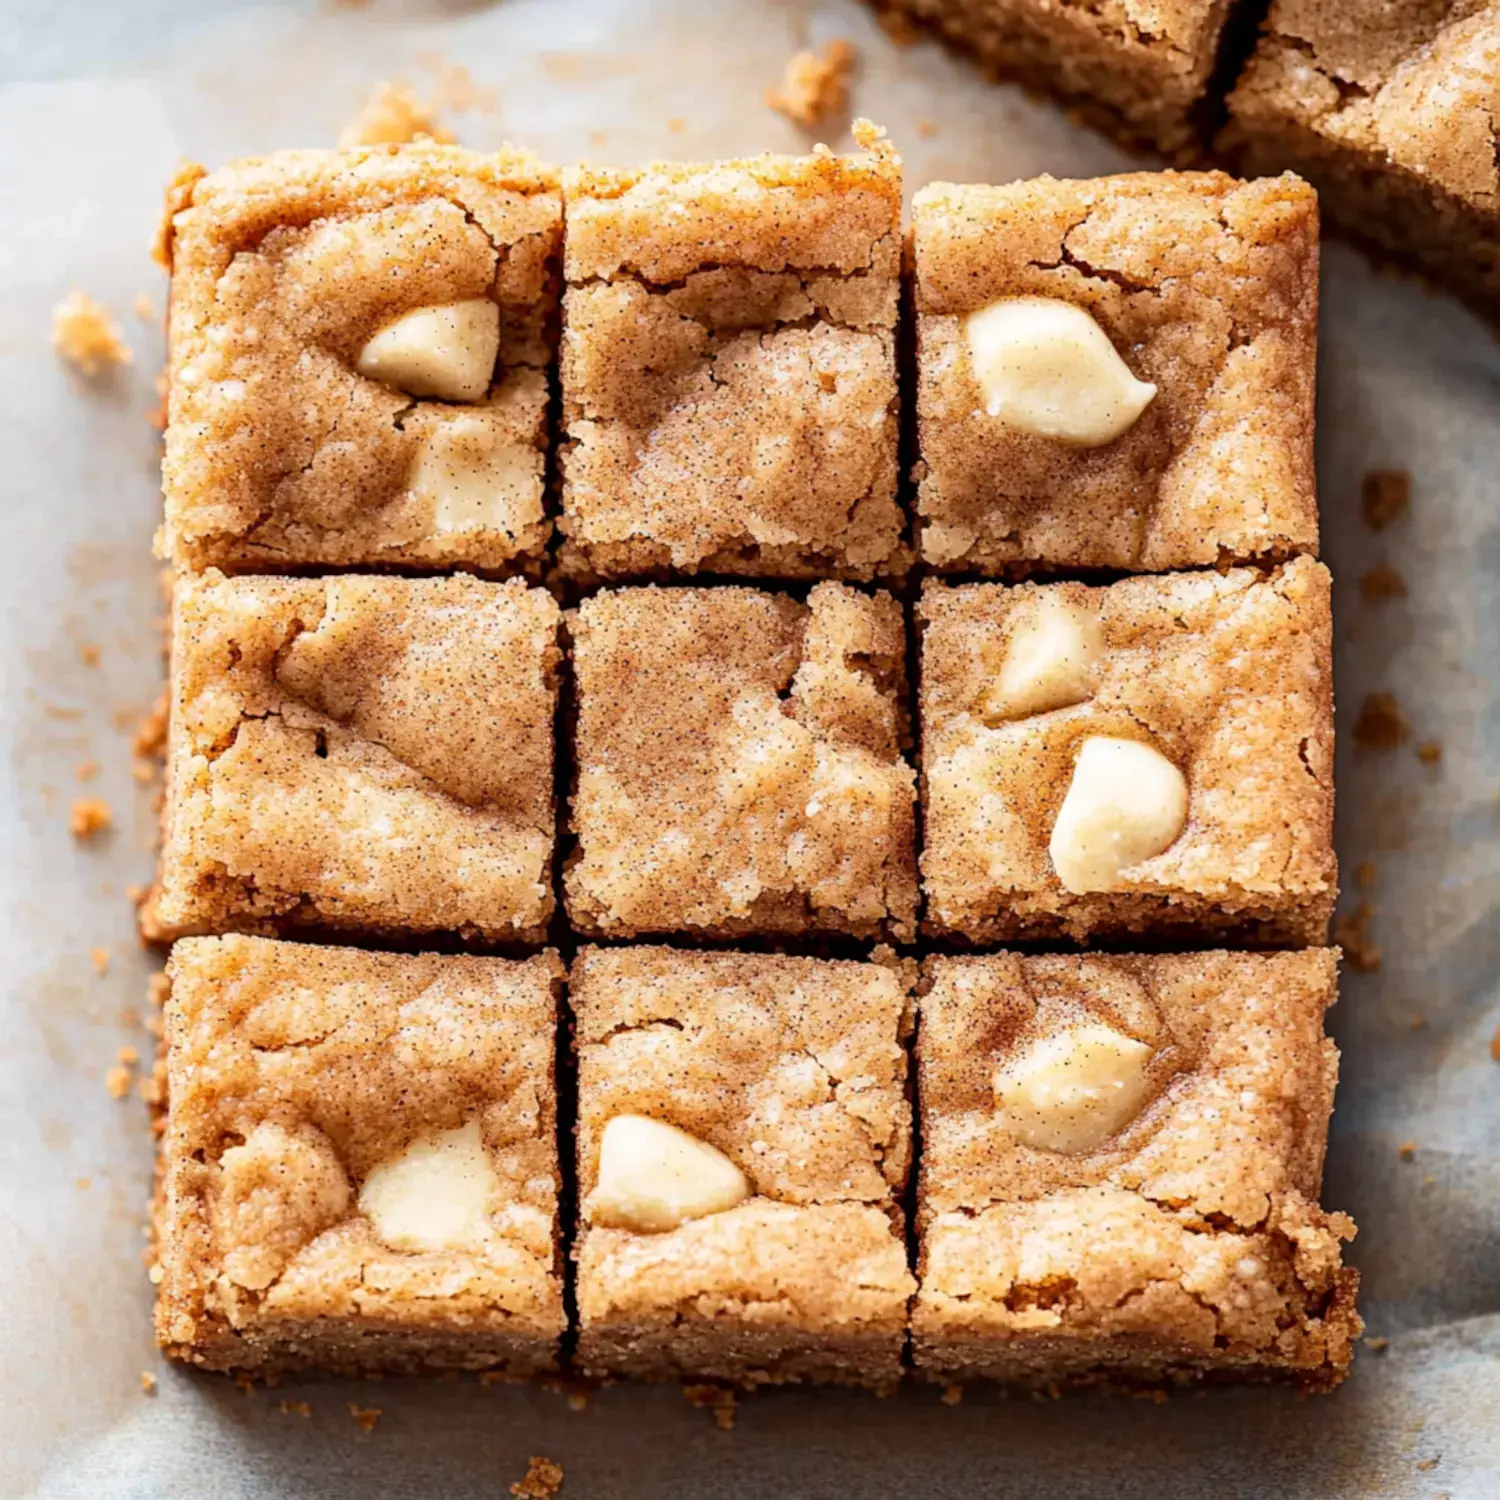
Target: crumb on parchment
x=294 y=1408
x=366 y=1416
x=1495 y=1045
x=542 y=1480
x=1381 y=725
x=1430 y=752
x=953 y=1395
x=392 y=116
x=86 y=334
x=1351 y=933
x=1382 y=583
x=89 y=816
x=718 y=1399
x=86 y=770
x=148 y=1383
x=99 y=957
x=1384 y=497
x=813 y=87
x=1407 y=1150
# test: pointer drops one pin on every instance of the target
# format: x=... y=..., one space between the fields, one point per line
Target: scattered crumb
x=715 y=1398
x=953 y=1395
x=1384 y=497
x=245 y=1382
x=157 y=416
x=392 y=116
x=1382 y=583
x=83 y=1184
x=150 y=736
x=127 y=1056
x=1495 y=1045
x=148 y=1383
x=1381 y=724
x=85 y=333
x=154 y=1275
x=1429 y=1464
x=1364 y=874
x=90 y=815
x=145 y=308
x=454 y=87
x=366 y=1416
x=1377 y=1345
x=1407 y=1150
x=676 y=125
x=542 y=1480
x=1418 y=1023
x=813 y=87
x=495 y=1377
x=898 y=28
x=1352 y=933
x=144 y=771
x=117 y=1081
x=295 y=1408
x=135 y=894
x=1430 y=752
x=927 y=128
x=86 y=770
x=597 y=138
x=578 y=1400
x=88 y=654
x=99 y=957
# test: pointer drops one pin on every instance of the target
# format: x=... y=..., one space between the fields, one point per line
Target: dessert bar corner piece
x=729 y=367
x=366 y=753
x=744 y=1138
x=360 y=346
x=359 y=1169
x=1391 y=113
x=1140 y=77
x=1150 y=757
x=1122 y=1159
x=1115 y=373
x=739 y=765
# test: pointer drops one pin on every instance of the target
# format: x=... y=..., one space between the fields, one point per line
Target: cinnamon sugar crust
x=739 y=765
x=1228 y=675
x=795 y=1068
x=729 y=367
x=1394 y=114
x=1208 y=288
x=278 y=452
x=1190 y=1244
x=360 y=752
x=314 y=1065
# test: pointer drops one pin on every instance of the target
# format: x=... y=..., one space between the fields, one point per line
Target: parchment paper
x=100 y=101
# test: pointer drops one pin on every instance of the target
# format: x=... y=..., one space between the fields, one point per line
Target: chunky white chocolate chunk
x=435 y=1194
x=1071 y=1091
x=653 y=1177
x=1050 y=662
x=1047 y=368
x=447 y=351
x=1126 y=802
x=472 y=480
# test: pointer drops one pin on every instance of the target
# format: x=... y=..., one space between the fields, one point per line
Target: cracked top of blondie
x=1207 y=288
x=278 y=450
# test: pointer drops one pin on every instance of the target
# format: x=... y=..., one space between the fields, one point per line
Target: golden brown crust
x=1190 y=1243
x=1395 y=116
x=370 y=753
x=739 y=766
x=317 y=1064
x=729 y=368
x=1228 y=675
x=1208 y=287
x=278 y=453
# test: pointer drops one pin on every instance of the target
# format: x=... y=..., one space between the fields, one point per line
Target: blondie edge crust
x=729 y=367
x=359 y=1169
x=280 y=452
x=367 y=753
x=1178 y=1240
x=795 y=1068
x=1207 y=288
x=1224 y=680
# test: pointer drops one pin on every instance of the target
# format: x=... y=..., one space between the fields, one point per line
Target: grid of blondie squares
x=814 y=1139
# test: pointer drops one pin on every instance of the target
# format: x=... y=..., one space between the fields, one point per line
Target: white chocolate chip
x=1047 y=368
x=1070 y=1092
x=1050 y=662
x=1126 y=802
x=435 y=1194
x=472 y=479
x=653 y=1177
x=447 y=351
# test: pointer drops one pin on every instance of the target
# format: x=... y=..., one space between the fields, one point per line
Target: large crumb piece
x=813 y=87
x=86 y=334
x=542 y=1480
x=393 y=116
x=90 y=816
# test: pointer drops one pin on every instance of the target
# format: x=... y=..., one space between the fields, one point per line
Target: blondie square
x=360 y=344
x=744 y=1139
x=729 y=368
x=1138 y=73
x=1122 y=1158
x=1154 y=756
x=1115 y=373
x=1393 y=112
x=359 y=1169
x=368 y=753
x=739 y=766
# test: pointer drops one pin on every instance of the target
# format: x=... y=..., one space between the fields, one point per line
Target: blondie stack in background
x=828 y=1127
